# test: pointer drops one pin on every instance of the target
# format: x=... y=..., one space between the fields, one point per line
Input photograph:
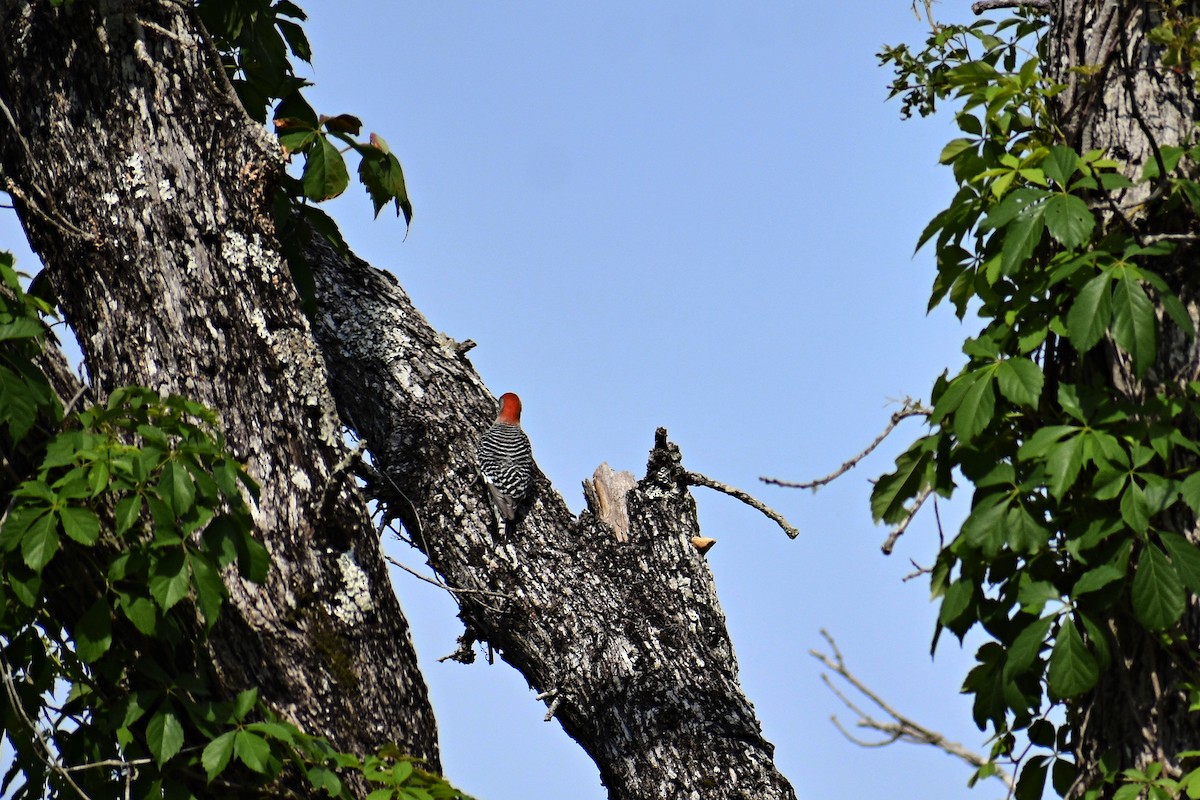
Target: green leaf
x=1021 y=237
x=1186 y=558
x=1134 y=327
x=1024 y=533
x=40 y=542
x=99 y=477
x=216 y=754
x=894 y=489
x=1063 y=464
x=210 y=590
x=253 y=560
x=325 y=174
x=1190 y=490
x=1090 y=314
x=975 y=411
x=1069 y=220
x=954 y=148
x=1135 y=510
x=1033 y=595
x=1130 y=791
x=1097 y=578
x=176 y=488
x=141 y=611
x=20 y=520
x=274 y=730
x=128 y=510
x=81 y=524
x=21 y=328
x=1016 y=202
x=1060 y=164
x=252 y=750
x=1026 y=646
x=1033 y=779
x=326 y=779
x=1158 y=597
x=955 y=602
x=93 y=634
x=1020 y=381
x=1073 y=669
x=952 y=397
x=164 y=735
x=244 y=703
x=169 y=579
x=383 y=178
x=294 y=141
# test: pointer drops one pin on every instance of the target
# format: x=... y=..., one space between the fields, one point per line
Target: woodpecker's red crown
x=510 y=409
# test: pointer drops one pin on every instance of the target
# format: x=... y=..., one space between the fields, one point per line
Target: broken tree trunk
x=625 y=641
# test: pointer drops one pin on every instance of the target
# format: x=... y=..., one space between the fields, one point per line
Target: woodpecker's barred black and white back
x=506 y=461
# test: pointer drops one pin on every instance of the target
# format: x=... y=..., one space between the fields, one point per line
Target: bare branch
x=912 y=408
x=898 y=727
x=440 y=585
x=1045 y=6
x=696 y=479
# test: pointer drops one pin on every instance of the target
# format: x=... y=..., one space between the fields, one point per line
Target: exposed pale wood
x=606 y=492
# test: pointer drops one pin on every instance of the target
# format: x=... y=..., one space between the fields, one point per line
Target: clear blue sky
x=696 y=215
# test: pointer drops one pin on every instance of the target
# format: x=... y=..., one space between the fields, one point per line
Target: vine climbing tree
x=1073 y=236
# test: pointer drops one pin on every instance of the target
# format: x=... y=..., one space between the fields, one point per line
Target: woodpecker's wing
x=506 y=461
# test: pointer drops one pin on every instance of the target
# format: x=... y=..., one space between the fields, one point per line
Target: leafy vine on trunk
x=1074 y=421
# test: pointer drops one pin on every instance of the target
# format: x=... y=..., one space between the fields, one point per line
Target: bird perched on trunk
x=506 y=460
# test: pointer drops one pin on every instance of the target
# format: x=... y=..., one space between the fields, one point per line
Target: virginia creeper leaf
x=1073 y=669
x=1157 y=591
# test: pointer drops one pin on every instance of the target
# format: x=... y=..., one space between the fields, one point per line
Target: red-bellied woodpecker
x=506 y=460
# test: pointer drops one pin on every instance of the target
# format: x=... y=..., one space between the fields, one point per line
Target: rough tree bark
x=1128 y=104
x=143 y=187
x=627 y=639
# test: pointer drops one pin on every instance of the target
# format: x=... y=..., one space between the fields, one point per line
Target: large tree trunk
x=143 y=186
x=1128 y=104
x=626 y=637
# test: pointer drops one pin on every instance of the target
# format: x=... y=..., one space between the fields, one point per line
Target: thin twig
x=899 y=727
x=71 y=405
x=1171 y=237
x=112 y=762
x=441 y=585
x=696 y=479
x=912 y=408
x=61 y=224
x=899 y=530
x=917 y=572
x=48 y=757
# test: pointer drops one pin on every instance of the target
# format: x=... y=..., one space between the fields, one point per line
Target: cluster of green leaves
x=119 y=534
x=26 y=399
x=1078 y=485
x=256 y=40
